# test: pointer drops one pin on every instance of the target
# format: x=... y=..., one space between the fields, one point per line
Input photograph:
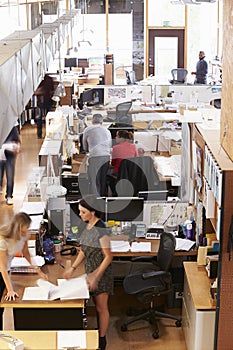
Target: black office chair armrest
x=152 y=274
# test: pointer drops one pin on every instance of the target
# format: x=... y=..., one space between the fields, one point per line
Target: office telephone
x=140 y=231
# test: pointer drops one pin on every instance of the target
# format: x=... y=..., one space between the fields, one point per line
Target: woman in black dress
x=96 y=253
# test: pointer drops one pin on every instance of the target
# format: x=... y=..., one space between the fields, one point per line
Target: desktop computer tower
x=56 y=209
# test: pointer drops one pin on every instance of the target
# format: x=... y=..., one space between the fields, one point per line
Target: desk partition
x=120 y=93
x=181 y=93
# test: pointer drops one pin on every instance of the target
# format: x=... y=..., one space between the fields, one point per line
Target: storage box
x=78 y=163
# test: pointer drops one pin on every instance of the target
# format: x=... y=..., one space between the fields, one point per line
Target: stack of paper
x=22 y=262
x=141 y=247
x=119 y=246
x=33 y=208
x=71 y=339
x=75 y=288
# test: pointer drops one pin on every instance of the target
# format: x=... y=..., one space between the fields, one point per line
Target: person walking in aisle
x=96 y=254
x=8 y=153
x=201 y=70
x=97 y=141
x=13 y=238
x=44 y=94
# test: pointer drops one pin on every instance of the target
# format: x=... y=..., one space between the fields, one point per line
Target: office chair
x=136 y=174
x=216 y=103
x=150 y=283
x=121 y=117
x=179 y=76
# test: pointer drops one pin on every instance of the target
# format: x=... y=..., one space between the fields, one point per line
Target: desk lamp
x=59 y=92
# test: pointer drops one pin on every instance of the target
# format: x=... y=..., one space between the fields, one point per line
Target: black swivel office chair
x=135 y=175
x=179 y=76
x=216 y=103
x=151 y=283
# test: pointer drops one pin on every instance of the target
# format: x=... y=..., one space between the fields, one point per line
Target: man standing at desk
x=201 y=70
x=97 y=141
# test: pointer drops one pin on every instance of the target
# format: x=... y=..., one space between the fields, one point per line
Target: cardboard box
x=79 y=163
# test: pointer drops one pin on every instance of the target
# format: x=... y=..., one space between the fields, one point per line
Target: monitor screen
x=124 y=208
x=93 y=96
x=70 y=62
x=83 y=62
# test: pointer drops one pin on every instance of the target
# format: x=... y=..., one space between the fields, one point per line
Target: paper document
x=22 y=262
x=36 y=220
x=35 y=293
x=75 y=288
x=184 y=244
x=168 y=166
x=120 y=246
x=141 y=247
x=71 y=339
x=33 y=208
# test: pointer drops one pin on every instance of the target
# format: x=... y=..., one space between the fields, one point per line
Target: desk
x=45 y=315
x=198 y=310
x=154 y=248
x=45 y=340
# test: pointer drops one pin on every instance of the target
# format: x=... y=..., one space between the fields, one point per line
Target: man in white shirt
x=97 y=141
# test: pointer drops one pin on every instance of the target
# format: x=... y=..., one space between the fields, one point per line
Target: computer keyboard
x=24 y=269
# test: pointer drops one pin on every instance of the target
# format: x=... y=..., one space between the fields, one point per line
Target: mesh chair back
x=179 y=75
x=122 y=116
x=166 y=250
x=123 y=108
x=137 y=284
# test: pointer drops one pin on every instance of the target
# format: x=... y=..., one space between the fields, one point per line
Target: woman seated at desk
x=124 y=148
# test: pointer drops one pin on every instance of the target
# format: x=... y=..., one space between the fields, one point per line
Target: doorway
x=166 y=51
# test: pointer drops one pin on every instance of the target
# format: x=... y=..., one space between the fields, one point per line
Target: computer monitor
x=124 y=209
x=83 y=63
x=93 y=97
x=70 y=62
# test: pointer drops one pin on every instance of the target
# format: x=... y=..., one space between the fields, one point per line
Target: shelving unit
x=210 y=139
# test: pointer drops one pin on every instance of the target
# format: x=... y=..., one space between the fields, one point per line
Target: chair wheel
x=178 y=323
x=155 y=335
x=124 y=328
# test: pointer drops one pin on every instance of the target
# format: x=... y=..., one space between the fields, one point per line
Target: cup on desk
x=182 y=108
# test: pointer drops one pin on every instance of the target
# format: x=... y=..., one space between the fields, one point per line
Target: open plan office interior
x=182 y=126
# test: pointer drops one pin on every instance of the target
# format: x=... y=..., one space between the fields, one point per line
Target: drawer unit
x=71 y=183
x=198 y=324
